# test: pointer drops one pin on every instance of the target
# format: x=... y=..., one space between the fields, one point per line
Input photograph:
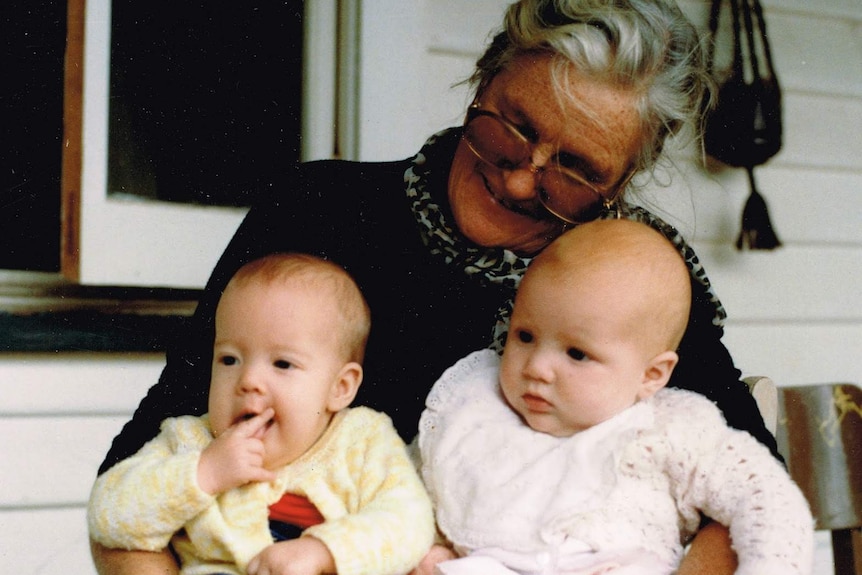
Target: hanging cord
x=738 y=67
x=761 y=23
x=753 y=60
x=714 y=12
x=756 y=231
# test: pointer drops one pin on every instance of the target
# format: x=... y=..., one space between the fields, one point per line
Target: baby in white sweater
x=569 y=455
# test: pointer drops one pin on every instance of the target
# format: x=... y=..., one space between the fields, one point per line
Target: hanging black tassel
x=745 y=128
x=757 y=232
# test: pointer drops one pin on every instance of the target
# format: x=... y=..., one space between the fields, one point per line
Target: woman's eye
x=576 y=354
x=281 y=364
x=506 y=164
x=525 y=336
x=527 y=132
x=572 y=163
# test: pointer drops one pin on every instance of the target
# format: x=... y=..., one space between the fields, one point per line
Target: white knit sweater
x=633 y=487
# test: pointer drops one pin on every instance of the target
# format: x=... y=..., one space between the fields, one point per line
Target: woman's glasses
x=563 y=192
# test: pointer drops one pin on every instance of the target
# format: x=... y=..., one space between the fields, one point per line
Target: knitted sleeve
x=736 y=481
x=142 y=501
x=390 y=526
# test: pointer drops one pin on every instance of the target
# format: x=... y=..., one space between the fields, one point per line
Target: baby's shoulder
x=680 y=406
x=471 y=377
x=684 y=425
x=356 y=429
x=186 y=432
x=685 y=417
x=360 y=419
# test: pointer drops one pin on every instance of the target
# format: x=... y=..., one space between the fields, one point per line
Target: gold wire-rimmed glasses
x=563 y=192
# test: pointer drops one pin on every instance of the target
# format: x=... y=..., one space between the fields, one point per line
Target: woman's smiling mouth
x=503 y=202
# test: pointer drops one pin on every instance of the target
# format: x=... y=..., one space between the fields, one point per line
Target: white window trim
x=123 y=242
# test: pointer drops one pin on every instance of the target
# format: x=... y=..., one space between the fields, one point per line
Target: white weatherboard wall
x=794 y=313
x=58 y=414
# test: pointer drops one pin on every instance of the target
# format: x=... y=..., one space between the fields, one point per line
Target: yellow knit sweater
x=378 y=517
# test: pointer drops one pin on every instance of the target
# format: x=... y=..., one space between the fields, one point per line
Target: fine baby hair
x=324 y=276
x=629 y=269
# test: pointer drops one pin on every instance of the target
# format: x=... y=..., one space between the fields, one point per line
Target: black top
x=425 y=314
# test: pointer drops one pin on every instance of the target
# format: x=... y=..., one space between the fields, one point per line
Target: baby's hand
x=437 y=554
x=303 y=556
x=235 y=457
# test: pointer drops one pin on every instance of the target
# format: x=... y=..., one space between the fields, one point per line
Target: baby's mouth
x=247 y=415
x=536 y=403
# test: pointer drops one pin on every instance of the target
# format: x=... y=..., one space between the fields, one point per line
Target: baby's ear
x=345 y=386
x=657 y=373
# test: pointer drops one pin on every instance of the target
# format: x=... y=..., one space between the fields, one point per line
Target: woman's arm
x=122 y=562
x=710 y=553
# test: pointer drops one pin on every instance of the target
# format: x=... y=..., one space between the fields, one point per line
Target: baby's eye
x=524 y=336
x=576 y=354
x=281 y=364
x=227 y=360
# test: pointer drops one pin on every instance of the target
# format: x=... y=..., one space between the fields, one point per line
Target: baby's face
x=275 y=347
x=570 y=360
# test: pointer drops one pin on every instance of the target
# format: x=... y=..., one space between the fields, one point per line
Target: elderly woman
x=572 y=98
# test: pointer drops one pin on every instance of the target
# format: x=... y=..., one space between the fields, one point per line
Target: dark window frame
x=48 y=311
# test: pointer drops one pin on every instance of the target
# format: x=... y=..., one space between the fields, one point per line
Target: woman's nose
x=522 y=183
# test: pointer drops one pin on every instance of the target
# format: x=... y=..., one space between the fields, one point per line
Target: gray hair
x=648 y=46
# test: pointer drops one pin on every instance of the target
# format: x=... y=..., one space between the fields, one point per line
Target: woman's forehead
x=589 y=118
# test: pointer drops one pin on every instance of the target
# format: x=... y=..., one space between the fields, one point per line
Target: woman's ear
x=344 y=387
x=657 y=373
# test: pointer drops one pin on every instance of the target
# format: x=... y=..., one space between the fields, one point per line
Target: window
x=32 y=61
x=188 y=111
x=126 y=201
x=209 y=56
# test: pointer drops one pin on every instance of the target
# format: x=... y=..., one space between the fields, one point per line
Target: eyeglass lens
x=562 y=192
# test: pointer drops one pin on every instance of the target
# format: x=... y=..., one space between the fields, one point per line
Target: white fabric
x=639 y=479
x=500 y=562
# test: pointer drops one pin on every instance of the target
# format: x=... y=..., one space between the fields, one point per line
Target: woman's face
x=597 y=132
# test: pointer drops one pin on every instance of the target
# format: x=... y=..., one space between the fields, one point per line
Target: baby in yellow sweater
x=278 y=442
